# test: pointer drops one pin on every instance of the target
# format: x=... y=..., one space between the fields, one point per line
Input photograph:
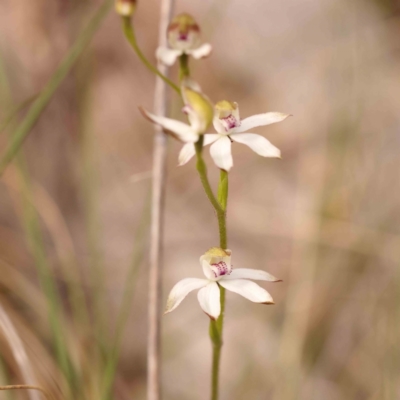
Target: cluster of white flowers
x=184 y=40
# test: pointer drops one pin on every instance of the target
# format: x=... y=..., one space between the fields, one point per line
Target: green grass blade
x=46 y=94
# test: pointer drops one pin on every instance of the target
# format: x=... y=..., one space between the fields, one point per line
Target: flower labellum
x=198 y=109
x=230 y=128
x=217 y=268
x=125 y=8
x=183 y=36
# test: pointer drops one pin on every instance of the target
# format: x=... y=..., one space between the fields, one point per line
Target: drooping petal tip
x=209 y=299
x=181 y=290
x=221 y=153
x=179 y=130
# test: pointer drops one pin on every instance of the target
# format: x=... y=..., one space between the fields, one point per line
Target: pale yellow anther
x=217 y=252
x=225 y=108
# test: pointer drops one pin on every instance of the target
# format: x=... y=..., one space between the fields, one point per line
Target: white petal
x=182 y=130
x=209 y=300
x=255 y=274
x=221 y=153
x=260 y=120
x=247 y=289
x=208 y=272
x=167 y=56
x=186 y=153
x=188 y=150
x=181 y=290
x=201 y=52
x=257 y=143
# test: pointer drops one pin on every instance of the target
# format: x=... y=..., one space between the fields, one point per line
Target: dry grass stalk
x=158 y=190
x=17 y=349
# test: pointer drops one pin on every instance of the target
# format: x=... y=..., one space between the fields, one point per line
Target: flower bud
x=197 y=106
x=183 y=33
x=227 y=115
x=125 y=8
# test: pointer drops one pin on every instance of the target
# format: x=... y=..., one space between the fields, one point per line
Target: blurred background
x=74 y=209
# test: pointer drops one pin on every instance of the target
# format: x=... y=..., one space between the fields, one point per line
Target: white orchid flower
x=183 y=35
x=198 y=109
x=217 y=268
x=231 y=129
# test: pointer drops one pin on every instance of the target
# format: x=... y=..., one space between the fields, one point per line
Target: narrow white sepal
x=209 y=300
x=221 y=153
x=247 y=289
x=260 y=120
x=257 y=143
x=167 y=56
x=188 y=150
x=182 y=130
x=186 y=153
x=201 y=52
x=181 y=290
x=247 y=273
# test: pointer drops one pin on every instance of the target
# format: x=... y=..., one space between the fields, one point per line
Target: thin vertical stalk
x=157 y=206
x=216 y=327
x=221 y=214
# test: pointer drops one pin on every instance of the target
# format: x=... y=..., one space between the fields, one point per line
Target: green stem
x=14 y=112
x=45 y=96
x=131 y=37
x=184 y=71
x=202 y=170
x=216 y=327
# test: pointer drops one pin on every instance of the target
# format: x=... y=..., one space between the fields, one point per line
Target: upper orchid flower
x=183 y=35
x=198 y=109
x=230 y=129
x=217 y=268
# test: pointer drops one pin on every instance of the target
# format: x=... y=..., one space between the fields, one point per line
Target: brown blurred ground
x=325 y=218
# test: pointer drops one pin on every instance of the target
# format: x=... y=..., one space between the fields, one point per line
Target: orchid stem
x=216 y=327
x=202 y=170
x=131 y=37
x=184 y=71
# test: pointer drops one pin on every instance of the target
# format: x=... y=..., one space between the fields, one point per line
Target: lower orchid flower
x=217 y=268
x=231 y=129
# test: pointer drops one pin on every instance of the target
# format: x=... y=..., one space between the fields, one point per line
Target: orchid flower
x=217 y=268
x=183 y=35
x=198 y=109
x=231 y=129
